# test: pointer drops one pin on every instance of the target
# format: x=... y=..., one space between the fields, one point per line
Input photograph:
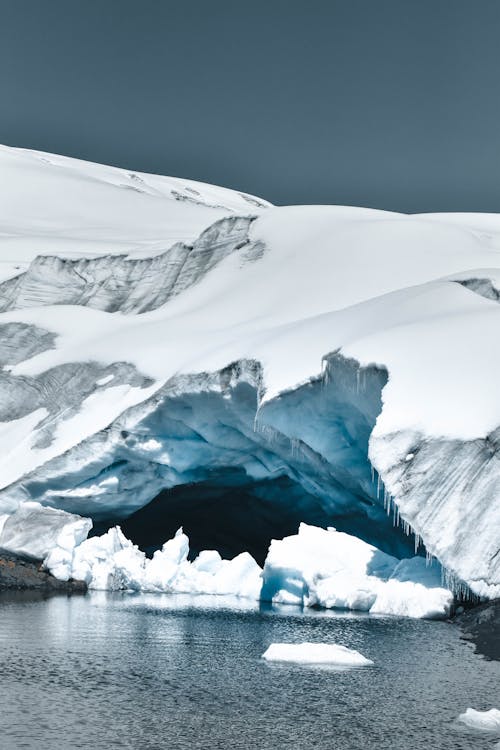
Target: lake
x=152 y=672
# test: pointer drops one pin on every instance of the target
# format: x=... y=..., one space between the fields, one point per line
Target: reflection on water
x=173 y=672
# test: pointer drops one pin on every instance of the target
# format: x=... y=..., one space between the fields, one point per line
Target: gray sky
x=387 y=103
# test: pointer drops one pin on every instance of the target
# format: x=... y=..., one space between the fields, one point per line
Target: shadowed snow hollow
x=172 y=336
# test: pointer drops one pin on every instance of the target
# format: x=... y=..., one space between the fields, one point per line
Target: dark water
x=168 y=673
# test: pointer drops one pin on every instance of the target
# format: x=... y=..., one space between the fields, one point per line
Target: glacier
x=170 y=345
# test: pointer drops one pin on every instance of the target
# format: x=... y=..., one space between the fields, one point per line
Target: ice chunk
x=316 y=653
x=35 y=531
x=111 y=562
x=342 y=592
x=208 y=561
x=484 y=721
x=176 y=550
x=414 y=590
x=330 y=569
x=166 y=564
x=240 y=576
x=408 y=599
x=297 y=564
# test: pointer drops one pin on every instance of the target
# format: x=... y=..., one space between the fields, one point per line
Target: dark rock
x=481 y=626
x=20 y=573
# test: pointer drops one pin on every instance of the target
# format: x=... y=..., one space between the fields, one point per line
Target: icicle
x=458 y=587
x=417 y=542
x=325 y=373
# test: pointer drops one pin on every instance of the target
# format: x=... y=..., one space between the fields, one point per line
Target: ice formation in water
x=313 y=568
x=484 y=721
x=316 y=653
x=160 y=338
x=111 y=562
x=330 y=569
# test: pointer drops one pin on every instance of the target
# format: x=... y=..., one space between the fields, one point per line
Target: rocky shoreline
x=481 y=626
x=22 y=574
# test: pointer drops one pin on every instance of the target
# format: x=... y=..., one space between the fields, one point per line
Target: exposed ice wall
x=130 y=285
x=200 y=428
x=459 y=481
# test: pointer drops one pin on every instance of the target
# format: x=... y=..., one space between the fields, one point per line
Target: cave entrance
x=232 y=513
x=226 y=514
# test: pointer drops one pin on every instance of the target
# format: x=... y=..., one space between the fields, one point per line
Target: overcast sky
x=387 y=103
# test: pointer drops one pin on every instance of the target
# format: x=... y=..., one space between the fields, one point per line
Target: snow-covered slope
x=56 y=205
x=355 y=352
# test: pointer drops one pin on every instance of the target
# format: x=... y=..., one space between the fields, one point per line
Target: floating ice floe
x=484 y=721
x=330 y=569
x=316 y=653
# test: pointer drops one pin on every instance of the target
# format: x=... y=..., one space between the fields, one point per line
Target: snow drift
x=157 y=334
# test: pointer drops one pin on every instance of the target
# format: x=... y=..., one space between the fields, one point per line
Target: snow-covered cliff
x=157 y=334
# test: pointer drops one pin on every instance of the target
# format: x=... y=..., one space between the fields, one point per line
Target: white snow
x=106 y=379
x=484 y=721
x=330 y=569
x=316 y=653
x=360 y=258
x=53 y=204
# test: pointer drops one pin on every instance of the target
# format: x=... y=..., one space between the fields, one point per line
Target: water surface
x=173 y=673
